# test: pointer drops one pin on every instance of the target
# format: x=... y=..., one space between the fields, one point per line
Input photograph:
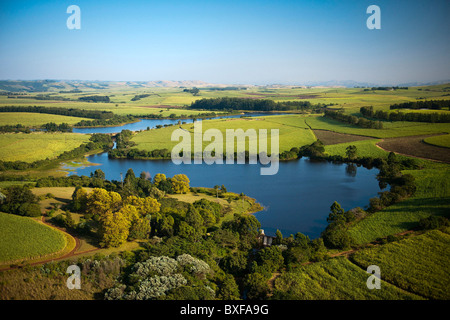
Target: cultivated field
x=25 y=238
x=38 y=146
x=29 y=119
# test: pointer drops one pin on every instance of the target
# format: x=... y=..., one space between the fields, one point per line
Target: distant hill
x=68 y=85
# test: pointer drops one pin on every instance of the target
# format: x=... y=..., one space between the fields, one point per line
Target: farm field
x=390 y=129
x=292 y=134
x=38 y=146
x=25 y=238
x=440 y=141
x=29 y=119
x=432 y=197
x=417 y=264
x=334 y=279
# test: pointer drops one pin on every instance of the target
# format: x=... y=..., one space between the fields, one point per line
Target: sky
x=232 y=42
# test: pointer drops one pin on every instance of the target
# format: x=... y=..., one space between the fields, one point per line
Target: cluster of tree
x=195 y=91
x=20 y=200
x=71 y=91
x=97 y=141
x=15 y=128
x=429 y=104
x=386 y=88
x=226 y=103
x=71 y=112
x=434 y=117
x=116 y=219
x=95 y=99
x=140 y=96
x=402 y=185
x=112 y=121
x=353 y=120
x=53 y=127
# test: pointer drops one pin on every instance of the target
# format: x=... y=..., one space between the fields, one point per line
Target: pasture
x=38 y=146
x=418 y=264
x=29 y=119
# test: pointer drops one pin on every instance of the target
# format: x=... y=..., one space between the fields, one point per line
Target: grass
x=418 y=264
x=432 y=197
x=24 y=238
x=365 y=148
x=35 y=119
x=292 y=132
x=440 y=141
x=38 y=146
x=390 y=129
x=334 y=279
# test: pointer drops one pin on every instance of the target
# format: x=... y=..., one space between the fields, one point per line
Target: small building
x=266 y=240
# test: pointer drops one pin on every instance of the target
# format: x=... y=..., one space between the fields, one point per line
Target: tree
x=180 y=183
x=79 y=200
x=158 y=178
x=351 y=151
x=336 y=214
x=99 y=174
x=216 y=187
x=113 y=229
x=100 y=201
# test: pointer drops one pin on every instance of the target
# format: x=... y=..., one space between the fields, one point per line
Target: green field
x=390 y=129
x=419 y=264
x=292 y=132
x=28 y=119
x=334 y=279
x=432 y=197
x=440 y=141
x=24 y=238
x=38 y=146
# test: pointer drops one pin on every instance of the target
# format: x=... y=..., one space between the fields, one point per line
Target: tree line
x=435 y=117
x=353 y=120
x=71 y=112
x=226 y=103
x=428 y=104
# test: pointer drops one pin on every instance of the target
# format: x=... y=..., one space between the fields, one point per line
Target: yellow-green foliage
x=365 y=148
x=418 y=264
x=24 y=238
x=28 y=119
x=334 y=279
x=38 y=146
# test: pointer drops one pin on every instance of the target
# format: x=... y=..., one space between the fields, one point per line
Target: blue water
x=296 y=199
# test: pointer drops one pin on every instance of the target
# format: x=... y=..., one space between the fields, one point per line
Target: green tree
x=113 y=229
x=351 y=152
x=180 y=183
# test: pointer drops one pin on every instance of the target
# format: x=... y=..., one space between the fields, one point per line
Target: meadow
x=25 y=238
x=432 y=197
x=292 y=132
x=38 y=146
x=333 y=279
x=440 y=141
x=418 y=264
x=29 y=119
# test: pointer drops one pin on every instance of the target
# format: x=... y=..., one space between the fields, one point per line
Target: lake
x=296 y=199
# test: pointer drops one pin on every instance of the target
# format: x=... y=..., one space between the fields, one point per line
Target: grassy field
x=440 y=141
x=292 y=132
x=25 y=238
x=35 y=119
x=38 y=146
x=419 y=264
x=390 y=129
x=432 y=197
x=334 y=279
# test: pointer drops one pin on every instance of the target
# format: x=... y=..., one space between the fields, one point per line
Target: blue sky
x=256 y=42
